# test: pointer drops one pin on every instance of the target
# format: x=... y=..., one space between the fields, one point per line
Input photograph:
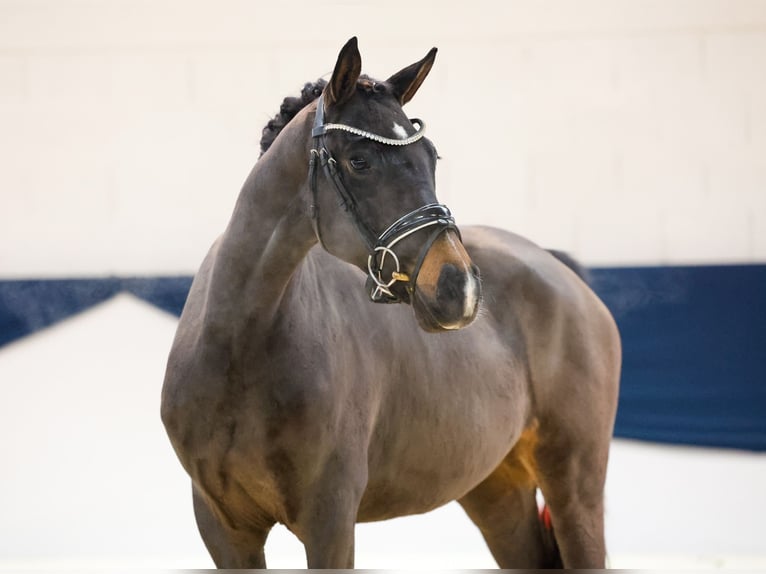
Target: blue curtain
x=694 y=342
x=694 y=346
x=29 y=305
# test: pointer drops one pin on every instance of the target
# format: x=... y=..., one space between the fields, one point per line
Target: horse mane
x=287 y=111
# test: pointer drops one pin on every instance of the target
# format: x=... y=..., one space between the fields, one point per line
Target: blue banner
x=694 y=342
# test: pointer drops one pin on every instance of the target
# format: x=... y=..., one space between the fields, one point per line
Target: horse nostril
x=451 y=281
x=451 y=287
x=475 y=270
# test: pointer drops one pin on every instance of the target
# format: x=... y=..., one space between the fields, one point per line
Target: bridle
x=433 y=215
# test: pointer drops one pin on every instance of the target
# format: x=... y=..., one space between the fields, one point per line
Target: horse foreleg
x=230 y=547
x=330 y=540
x=328 y=519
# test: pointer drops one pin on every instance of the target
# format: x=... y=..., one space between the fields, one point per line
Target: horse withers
x=290 y=396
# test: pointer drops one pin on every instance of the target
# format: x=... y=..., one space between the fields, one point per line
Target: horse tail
x=572 y=263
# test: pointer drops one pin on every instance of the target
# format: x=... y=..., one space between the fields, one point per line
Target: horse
x=348 y=354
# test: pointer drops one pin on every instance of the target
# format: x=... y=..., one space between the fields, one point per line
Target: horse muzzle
x=447 y=295
x=443 y=285
x=454 y=303
x=434 y=218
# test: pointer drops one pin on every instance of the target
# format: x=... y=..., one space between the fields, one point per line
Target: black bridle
x=433 y=215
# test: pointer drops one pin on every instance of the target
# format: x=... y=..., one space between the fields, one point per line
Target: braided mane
x=287 y=111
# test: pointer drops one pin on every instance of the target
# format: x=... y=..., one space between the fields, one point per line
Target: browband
x=320 y=128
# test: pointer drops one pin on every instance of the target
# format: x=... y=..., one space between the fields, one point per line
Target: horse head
x=373 y=198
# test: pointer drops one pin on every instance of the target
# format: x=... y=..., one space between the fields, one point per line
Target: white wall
x=626 y=131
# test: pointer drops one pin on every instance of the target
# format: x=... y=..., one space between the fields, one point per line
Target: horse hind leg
x=229 y=547
x=571 y=467
x=504 y=508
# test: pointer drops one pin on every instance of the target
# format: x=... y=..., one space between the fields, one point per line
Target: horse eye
x=359 y=163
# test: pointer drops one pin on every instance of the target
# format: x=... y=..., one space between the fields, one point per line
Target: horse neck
x=269 y=233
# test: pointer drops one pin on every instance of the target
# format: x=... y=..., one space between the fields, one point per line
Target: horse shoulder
x=204 y=386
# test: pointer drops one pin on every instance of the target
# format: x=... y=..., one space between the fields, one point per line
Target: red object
x=545 y=518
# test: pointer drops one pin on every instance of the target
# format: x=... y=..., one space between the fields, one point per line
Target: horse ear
x=342 y=85
x=407 y=81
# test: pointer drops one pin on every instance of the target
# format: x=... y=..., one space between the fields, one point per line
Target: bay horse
x=290 y=396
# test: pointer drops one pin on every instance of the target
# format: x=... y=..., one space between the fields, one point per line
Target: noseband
x=433 y=215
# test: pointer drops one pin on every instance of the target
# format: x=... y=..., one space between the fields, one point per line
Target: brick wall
x=626 y=131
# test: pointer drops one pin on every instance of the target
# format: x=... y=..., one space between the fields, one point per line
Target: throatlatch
x=434 y=215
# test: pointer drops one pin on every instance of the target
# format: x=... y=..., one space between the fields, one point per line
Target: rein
x=434 y=215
